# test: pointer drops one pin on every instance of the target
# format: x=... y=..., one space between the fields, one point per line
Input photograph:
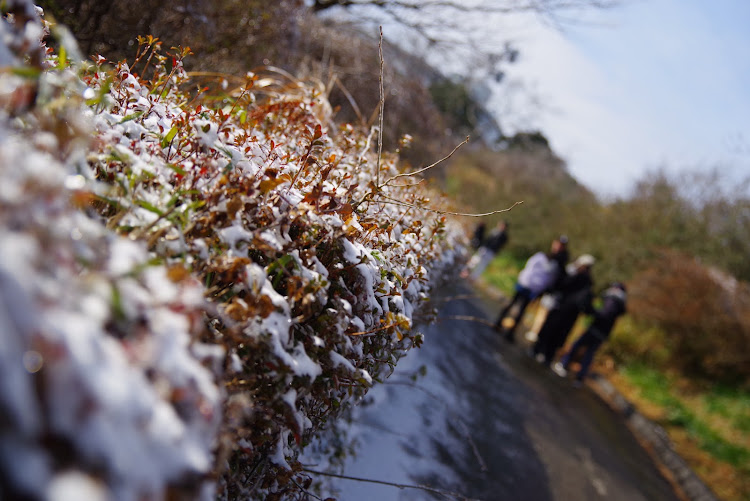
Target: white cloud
x=657 y=88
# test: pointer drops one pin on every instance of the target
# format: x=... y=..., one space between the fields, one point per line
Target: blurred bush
x=704 y=314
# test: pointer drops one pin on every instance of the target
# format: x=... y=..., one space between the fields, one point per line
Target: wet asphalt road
x=489 y=423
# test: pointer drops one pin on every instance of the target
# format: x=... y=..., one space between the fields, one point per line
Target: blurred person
x=539 y=273
x=477 y=239
x=546 y=303
x=550 y=298
x=487 y=251
x=614 y=301
x=573 y=297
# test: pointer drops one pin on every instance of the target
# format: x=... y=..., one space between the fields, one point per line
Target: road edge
x=654 y=439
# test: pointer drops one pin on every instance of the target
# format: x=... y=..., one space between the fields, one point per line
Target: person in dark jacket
x=561 y=257
x=477 y=239
x=536 y=277
x=614 y=301
x=487 y=251
x=550 y=297
x=573 y=297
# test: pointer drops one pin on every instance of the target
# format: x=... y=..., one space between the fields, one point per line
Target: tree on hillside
x=461 y=25
x=396 y=7
x=465 y=39
x=526 y=170
x=235 y=36
x=701 y=214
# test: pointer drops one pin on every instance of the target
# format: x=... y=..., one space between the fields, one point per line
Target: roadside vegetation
x=707 y=423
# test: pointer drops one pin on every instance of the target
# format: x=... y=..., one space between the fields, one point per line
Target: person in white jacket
x=537 y=275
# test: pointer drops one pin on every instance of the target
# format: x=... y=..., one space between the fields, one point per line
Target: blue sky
x=650 y=84
x=657 y=83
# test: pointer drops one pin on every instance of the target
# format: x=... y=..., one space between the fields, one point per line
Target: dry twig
x=426 y=488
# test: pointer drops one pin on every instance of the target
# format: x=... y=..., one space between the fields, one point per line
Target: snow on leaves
x=195 y=280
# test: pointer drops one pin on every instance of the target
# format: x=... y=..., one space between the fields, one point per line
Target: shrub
x=192 y=284
x=703 y=312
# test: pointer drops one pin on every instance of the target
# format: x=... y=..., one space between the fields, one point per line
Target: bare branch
x=423 y=169
x=468 y=318
x=399 y=10
x=425 y=488
x=457 y=297
x=444 y=212
x=407 y=185
x=302 y=489
x=507 y=7
x=382 y=106
x=349 y=98
x=374 y=330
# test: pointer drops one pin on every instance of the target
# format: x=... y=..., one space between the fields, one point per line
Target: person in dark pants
x=539 y=273
x=613 y=306
x=550 y=297
x=574 y=297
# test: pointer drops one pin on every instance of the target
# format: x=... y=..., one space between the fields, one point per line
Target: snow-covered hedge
x=190 y=286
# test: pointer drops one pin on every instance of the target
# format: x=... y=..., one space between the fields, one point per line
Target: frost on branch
x=192 y=285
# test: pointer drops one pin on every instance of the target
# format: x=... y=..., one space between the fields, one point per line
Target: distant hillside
x=526 y=170
x=234 y=37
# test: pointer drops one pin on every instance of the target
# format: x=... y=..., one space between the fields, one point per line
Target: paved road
x=489 y=423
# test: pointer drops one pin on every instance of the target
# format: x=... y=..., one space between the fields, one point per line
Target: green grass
x=502 y=272
x=731 y=404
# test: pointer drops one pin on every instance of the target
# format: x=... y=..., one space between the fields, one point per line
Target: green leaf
x=118 y=311
x=179 y=170
x=167 y=140
x=132 y=116
x=277 y=268
x=62 y=58
x=149 y=207
x=196 y=204
x=26 y=72
x=173 y=201
x=112 y=202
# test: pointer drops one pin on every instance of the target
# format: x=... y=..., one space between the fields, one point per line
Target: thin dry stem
x=375 y=330
x=407 y=185
x=361 y=156
x=350 y=98
x=425 y=488
x=423 y=169
x=467 y=318
x=390 y=200
x=382 y=107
